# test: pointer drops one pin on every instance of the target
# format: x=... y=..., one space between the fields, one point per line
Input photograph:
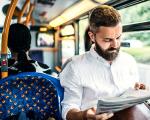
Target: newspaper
x=128 y=99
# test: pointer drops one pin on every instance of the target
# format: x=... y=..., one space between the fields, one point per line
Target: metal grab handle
x=23 y=10
x=28 y=17
x=4 y=64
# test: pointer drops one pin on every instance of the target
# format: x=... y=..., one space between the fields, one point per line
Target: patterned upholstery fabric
x=31 y=92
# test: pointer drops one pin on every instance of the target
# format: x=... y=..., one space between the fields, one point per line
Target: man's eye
x=107 y=40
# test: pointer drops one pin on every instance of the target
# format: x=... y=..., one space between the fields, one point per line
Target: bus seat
x=31 y=91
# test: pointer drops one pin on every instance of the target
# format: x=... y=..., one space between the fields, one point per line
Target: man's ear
x=92 y=37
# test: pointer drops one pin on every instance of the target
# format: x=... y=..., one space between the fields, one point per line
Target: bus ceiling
x=52 y=12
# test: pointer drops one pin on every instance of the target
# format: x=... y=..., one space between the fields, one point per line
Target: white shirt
x=89 y=77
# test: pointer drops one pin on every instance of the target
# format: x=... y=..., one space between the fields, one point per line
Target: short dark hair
x=19 y=38
x=103 y=16
x=87 y=41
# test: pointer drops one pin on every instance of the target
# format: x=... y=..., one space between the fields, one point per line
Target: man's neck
x=110 y=62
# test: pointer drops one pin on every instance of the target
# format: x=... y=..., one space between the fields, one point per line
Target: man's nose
x=114 y=43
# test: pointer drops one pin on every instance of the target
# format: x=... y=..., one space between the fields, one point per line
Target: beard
x=108 y=54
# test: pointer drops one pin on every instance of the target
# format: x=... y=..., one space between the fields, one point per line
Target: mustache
x=111 y=49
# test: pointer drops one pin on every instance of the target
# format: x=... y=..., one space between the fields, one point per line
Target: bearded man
x=104 y=71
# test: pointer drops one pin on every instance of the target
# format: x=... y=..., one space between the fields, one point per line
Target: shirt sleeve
x=71 y=82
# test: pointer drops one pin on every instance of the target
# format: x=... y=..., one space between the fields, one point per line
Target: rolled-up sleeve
x=72 y=89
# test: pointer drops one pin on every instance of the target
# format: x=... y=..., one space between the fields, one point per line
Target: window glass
x=83 y=24
x=68 y=49
x=138 y=45
x=136 y=13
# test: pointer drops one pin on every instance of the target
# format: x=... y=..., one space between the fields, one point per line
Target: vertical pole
x=4 y=63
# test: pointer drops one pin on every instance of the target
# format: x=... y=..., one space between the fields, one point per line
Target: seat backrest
x=31 y=91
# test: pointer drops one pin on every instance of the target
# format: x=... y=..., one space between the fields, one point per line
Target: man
x=104 y=71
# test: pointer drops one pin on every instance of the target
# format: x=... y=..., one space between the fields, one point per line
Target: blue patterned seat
x=31 y=91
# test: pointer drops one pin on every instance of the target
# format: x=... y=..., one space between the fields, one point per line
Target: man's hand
x=90 y=114
x=138 y=86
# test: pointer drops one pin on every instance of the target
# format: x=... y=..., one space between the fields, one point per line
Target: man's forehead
x=110 y=31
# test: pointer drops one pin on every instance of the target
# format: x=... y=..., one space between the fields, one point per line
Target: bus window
x=68 y=49
x=137 y=43
x=139 y=46
x=83 y=24
x=140 y=49
x=136 y=13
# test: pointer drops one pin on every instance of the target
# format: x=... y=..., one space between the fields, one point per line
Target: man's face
x=107 y=41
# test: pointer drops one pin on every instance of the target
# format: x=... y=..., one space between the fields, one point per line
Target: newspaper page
x=128 y=99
